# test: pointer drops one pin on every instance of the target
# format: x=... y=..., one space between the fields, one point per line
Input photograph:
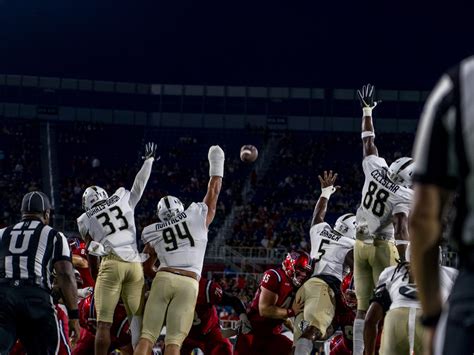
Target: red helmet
x=298 y=266
x=348 y=291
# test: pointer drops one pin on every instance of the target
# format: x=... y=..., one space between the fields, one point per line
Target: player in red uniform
x=346 y=307
x=120 y=334
x=206 y=332
x=80 y=262
x=272 y=305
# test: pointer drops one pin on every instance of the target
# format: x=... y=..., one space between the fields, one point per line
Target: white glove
x=245 y=325
x=216 y=161
x=96 y=249
x=327 y=191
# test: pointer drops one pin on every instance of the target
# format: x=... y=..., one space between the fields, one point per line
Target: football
x=248 y=153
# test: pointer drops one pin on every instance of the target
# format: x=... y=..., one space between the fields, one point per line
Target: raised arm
x=400 y=223
x=327 y=189
x=216 y=172
x=143 y=175
x=366 y=98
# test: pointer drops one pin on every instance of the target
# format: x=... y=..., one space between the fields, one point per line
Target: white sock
x=358 y=334
x=303 y=346
x=135 y=329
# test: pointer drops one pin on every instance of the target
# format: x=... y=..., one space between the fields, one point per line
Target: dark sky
x=395 y=44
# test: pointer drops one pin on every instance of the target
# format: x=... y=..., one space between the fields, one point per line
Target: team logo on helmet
x=92 y=195
x=298 y=266
x=169 y=207
x=401 y=171
x=348 y=291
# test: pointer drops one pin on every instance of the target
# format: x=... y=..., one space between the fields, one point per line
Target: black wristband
x=430 y=321
x=73 y=313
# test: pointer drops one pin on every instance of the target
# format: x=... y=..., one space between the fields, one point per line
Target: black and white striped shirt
x=444 y=145
x=28 y=251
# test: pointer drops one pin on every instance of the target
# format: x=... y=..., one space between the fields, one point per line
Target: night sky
x=394 y=44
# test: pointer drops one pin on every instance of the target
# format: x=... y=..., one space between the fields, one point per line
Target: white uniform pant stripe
x=63 y=337
x=411 y=329
x=57 y=328
x=440 y=334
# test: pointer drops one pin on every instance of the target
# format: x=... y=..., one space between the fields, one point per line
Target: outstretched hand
x=366 y=96
x=328 y=180
x=150 y=151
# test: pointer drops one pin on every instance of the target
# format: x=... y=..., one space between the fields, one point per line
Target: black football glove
x=150 y=151
x=366 y=98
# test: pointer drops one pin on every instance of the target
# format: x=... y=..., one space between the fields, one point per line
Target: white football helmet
x=169 y=207
x=401 y=170
x=346 y=225
x=92 y=195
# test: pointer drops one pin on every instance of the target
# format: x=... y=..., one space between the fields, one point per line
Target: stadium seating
x=20 y=165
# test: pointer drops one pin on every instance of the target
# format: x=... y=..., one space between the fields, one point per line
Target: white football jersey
x=381 y=198
x=329 y=249
x=112 y=224
x=180 y=242
x=395 y=280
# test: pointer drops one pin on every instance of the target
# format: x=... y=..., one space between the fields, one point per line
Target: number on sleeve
x=321 y=250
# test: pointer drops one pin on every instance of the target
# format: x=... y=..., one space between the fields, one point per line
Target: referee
x=444 y=158
x=29 y=250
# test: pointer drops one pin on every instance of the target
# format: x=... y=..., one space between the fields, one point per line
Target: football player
x=206 y=332
x=332 y=250
x=79 y=261
x=120 y=332
x=273 y=305
x=108 y=227
x=179 y=242
x=381 y=217
x=396 y=300
x=346 y=304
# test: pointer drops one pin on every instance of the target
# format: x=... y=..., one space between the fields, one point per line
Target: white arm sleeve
x=140 y=182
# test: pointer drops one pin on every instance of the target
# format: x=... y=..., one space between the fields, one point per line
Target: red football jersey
x=276 y=281
x=119 y=331
x=86 y=276
x=344 y=319
x=205 y=314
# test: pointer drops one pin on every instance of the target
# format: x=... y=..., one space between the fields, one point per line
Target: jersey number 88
x=376 y=199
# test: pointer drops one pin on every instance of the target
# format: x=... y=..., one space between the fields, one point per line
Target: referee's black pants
x=27 y=313
x=455 y=331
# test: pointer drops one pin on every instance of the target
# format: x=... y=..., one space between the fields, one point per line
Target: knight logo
x=409 y=291
x=303 y=325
